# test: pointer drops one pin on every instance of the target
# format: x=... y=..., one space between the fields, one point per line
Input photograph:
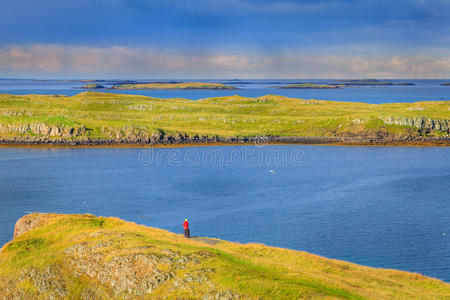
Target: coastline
x=171 y=142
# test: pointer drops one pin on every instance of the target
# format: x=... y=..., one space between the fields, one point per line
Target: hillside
x=99 y=118
x=87 y=257
x=174 y=86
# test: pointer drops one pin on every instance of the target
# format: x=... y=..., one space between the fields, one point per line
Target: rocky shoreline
x=185 y=140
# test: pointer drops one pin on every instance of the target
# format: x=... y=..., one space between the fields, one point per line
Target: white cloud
x=49 y=60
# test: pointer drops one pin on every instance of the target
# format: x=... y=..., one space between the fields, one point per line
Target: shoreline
x=231 y=141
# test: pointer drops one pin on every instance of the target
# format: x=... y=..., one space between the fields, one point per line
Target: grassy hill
x=88 y=257
x=93 y=116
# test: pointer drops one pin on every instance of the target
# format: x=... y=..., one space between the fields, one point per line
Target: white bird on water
x=272 y=171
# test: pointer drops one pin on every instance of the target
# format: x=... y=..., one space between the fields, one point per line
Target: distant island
x=362 y=82
x=174 y=86
x=55 y=256
x=310 y=86
x=404 y=83
x=341 y=84
x=445 y=84
x=93 y=118
x=350 y=82
x=92 y=86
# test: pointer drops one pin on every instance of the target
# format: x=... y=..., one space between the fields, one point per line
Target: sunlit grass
x=254 y=270
x=220 y=116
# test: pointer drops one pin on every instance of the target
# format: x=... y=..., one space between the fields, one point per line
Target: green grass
x=107 y=116
x=250 y=270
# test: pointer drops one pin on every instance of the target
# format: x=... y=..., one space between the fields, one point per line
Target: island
x=56 y=256
x=92 y=86
x=349 y=82
x=174 y=86
x=310 y=86
x=94 y=118
x=342 y=83
x=445 y=84
x=404 y=83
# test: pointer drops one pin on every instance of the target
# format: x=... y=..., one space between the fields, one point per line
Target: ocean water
x=378 y=206
x=423 y=90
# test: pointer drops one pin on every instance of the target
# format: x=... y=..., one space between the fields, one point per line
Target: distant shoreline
x=230 y=141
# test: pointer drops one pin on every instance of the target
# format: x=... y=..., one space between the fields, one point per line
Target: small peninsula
x=55 y=256
x=174 y=86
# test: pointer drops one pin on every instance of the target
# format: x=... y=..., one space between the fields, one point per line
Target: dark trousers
x=186 y=233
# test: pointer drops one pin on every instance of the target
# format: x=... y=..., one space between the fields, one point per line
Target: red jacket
x=186 y=225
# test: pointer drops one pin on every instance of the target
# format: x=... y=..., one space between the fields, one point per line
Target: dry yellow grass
x=249 y=270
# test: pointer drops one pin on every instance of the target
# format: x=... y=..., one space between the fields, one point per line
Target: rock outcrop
x=28 y=222
x=420 y=123
x=43 y=130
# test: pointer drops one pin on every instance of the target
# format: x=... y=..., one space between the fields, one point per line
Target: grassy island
x=311 y=86
x=92 y=86
x=86 y=257
x=404 y=83
x=174 y=86
x=363 y=82
x=98 y=118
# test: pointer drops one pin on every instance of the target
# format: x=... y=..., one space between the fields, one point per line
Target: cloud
x=53 y=60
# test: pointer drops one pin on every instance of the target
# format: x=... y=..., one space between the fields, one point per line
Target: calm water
x=378 y=206
x=423 y=90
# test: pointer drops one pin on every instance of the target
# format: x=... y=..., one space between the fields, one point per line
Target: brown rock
x=29 y=222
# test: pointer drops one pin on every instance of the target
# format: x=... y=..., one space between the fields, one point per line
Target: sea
x=379 y=206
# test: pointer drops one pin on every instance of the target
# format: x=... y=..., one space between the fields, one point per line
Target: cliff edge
x=55 y=256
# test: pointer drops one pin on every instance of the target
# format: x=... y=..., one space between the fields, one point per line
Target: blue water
x=378 y=206
x=423 y=90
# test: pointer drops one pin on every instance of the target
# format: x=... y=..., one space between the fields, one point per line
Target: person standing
x=186 y=228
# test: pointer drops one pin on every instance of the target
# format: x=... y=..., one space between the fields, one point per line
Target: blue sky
x=227 y=38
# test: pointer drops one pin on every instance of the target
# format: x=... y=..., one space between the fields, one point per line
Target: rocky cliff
x=420 y=122
x=43 y=129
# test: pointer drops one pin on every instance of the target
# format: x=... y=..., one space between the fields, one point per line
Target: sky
x=225 y=39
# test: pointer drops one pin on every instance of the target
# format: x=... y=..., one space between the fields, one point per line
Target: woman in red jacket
x=186 y=228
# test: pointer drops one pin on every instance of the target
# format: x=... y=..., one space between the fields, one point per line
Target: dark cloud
x=258 y=30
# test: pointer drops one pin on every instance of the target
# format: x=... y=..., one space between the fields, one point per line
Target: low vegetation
x=87 y=257
x=133 y=118
x=174 y=86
